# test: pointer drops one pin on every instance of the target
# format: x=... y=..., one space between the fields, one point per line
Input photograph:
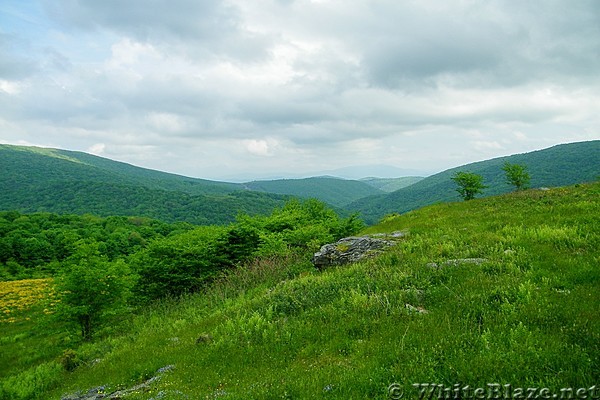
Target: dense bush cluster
x=36 y=245
x=103 y=264
x=185 y=262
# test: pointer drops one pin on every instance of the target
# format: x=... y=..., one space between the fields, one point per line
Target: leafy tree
x=469 y=184
x=92 y=288
x=237 y=245
x=178 y=264
x=516 y=175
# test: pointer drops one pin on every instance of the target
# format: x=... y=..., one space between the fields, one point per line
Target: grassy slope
x=529 y=316
x=334 y=191
x=557 y=166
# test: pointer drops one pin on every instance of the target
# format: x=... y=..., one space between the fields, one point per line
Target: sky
x=245 y=89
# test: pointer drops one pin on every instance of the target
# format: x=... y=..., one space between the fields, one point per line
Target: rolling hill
x=391 y=184
x=556 y=166
x=39 y=179
x=335 y=191
x=38 y=166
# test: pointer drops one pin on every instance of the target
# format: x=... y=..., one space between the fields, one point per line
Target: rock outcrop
x=99 y=392
x=353 y=249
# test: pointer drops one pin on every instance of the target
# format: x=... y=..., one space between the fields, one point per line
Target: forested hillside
x=335 y=191
x=35 y=180
x=48 y=180
x=36 y=245
x=391 y=184
x=556 y=166
x=35 y=165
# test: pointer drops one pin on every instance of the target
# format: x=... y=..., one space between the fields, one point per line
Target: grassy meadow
x=498 y=290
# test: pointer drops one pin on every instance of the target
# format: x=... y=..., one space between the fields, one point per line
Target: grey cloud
x=364 y=78
x=290 y=112
x=198 y=27
x=394 y=63
x=146 y=19
x=491 y=43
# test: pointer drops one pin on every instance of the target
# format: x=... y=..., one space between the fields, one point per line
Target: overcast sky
x=255 y=88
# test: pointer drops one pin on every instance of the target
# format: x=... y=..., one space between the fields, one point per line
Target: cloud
x=280 y=86
x=258 y=147
x=97 y=149
x=192 y=27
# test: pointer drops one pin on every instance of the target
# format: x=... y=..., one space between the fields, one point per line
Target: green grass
x=529 y=315
x=561 y=165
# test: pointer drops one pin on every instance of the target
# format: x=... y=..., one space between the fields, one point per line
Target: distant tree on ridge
x=469 y=184
x=516 y=175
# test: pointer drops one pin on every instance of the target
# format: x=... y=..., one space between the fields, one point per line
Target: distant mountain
x=39 y=179
x=358 y=172
x=560 y=165
x=36 y=179
x=391 y=184
x=335 y=191
x=59 y=165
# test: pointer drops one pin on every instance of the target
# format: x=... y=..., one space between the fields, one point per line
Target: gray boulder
x=350 y=249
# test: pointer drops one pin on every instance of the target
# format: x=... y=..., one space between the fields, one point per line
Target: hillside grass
x=526 y=314
x=561 y=165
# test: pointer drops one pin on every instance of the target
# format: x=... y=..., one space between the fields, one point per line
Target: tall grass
x=527 y=315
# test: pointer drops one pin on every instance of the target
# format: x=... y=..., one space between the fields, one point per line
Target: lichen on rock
x=354 y=248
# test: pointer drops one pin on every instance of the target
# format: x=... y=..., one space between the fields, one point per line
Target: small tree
x=92 y=288
x=516 y=175
x=469 y=184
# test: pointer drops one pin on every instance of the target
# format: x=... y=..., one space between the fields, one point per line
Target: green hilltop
x=35 y=165
x=51 y=180
x=560 y=165
x=67 y=182
x=392 y=184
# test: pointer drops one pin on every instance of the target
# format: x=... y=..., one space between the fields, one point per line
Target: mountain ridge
x=48 y=172
x=559 y=165
x=63 y=181
x=54 y=180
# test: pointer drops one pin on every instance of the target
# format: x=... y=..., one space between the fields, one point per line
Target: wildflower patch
x=18 y=297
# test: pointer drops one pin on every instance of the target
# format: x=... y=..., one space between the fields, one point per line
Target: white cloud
x=258 y=147
x=10 y=87
x=273 y=85
x=97 y=149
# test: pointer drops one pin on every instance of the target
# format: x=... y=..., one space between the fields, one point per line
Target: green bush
x=31 y=383
x=186 y=262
